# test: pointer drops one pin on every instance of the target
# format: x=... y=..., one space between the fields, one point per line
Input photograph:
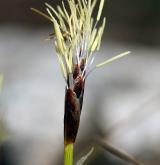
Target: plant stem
x=68 y=154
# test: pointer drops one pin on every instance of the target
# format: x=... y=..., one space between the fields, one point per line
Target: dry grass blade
x=85 y=157
x=117 y=152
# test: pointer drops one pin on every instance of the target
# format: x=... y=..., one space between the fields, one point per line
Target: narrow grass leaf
x=85 y=157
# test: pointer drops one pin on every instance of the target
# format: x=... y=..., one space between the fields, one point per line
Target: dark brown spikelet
x=73 y=103
x=82 y=65
x=76 y=71
x=78 y=86
x=73 y=106
x=71 y=117
x=79 y=90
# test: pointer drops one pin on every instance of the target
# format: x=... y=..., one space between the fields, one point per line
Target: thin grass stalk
x=118 y=152
x=68 y=154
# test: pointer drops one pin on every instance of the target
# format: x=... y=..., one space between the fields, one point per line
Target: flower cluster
x=77 y=36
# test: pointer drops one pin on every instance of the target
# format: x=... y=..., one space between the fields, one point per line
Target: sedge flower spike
x=77 y=37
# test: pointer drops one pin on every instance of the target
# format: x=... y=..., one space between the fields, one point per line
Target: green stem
x=68 y=154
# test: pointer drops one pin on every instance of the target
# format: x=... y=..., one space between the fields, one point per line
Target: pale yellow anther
x=113 y=59
x=42 y=14
x=75 y=31
x=100 y=9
